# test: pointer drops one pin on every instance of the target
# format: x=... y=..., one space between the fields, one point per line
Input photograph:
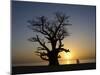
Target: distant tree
x=54 y=31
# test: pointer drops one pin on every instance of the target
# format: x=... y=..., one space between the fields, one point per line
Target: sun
x=65 y=55
x=65 y=58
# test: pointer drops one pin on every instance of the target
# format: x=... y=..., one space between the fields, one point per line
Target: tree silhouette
x=54 y=31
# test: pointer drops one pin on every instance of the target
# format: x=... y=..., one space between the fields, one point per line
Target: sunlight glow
x=65 y=58
x=65 y=55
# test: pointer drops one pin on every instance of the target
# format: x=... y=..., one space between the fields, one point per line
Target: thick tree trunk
x=53 y=59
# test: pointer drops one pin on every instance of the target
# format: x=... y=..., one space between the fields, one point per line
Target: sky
x=81 y=41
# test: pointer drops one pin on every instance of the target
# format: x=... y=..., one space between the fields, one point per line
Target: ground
x=40 y=69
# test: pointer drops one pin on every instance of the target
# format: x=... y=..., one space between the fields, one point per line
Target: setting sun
x=65 y=55
x=66 y=58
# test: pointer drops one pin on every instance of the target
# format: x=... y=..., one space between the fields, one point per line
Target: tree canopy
x=54 y=31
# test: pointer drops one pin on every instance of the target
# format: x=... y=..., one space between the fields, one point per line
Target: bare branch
x=44 y=58
x=42 y=55
x=60 y=18
x=66 y=50
x=60 y=44
x=41 y=48
x=34 y=39
x=42 y=44
x=59 y=56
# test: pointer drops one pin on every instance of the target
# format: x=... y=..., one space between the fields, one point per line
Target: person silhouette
x=77 y=61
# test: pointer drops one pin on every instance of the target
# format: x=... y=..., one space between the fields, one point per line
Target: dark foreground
x=40 y=69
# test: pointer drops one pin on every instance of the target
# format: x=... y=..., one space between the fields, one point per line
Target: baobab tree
x=53 y=31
